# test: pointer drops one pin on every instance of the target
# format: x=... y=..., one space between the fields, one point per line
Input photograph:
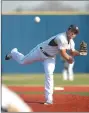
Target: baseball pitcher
x=46 y=52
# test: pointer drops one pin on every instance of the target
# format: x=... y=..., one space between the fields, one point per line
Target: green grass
x=38 y=79
x=73 y=93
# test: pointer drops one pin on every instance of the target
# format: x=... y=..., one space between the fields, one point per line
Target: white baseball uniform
x=11 y=100
x=45 y=52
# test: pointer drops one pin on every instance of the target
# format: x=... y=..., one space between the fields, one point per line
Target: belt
x=46 y=54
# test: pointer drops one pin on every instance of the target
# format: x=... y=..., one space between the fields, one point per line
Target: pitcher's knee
x=22 y=62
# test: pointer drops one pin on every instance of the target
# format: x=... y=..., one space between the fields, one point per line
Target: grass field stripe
x=58 y=92
x=28 y=80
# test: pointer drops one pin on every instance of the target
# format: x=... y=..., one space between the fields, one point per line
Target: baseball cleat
x=8 y=57
x=47 y=103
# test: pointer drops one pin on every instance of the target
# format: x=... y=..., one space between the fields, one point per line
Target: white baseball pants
x=48 y=63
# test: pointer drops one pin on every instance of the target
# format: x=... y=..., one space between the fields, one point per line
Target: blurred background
x=21 y=31
x=11 y=5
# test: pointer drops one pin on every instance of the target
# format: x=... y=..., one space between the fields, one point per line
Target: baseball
x=37 y=19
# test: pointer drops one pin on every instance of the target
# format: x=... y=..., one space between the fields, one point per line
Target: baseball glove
x=83 y=48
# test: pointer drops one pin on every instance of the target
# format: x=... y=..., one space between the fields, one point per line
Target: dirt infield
x=62 y=102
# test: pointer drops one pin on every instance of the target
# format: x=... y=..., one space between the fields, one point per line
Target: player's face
x=71 y=34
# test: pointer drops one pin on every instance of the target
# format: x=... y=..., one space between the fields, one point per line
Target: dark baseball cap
x=74 y=29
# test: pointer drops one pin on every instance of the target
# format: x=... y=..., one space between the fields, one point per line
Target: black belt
x=46 y=54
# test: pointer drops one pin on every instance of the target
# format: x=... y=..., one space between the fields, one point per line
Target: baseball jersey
x=52 y=48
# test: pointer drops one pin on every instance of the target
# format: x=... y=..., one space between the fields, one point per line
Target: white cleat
x=47 y=103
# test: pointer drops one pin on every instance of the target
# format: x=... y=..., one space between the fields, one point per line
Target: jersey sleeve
x=61 y=42
x=72 y=45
